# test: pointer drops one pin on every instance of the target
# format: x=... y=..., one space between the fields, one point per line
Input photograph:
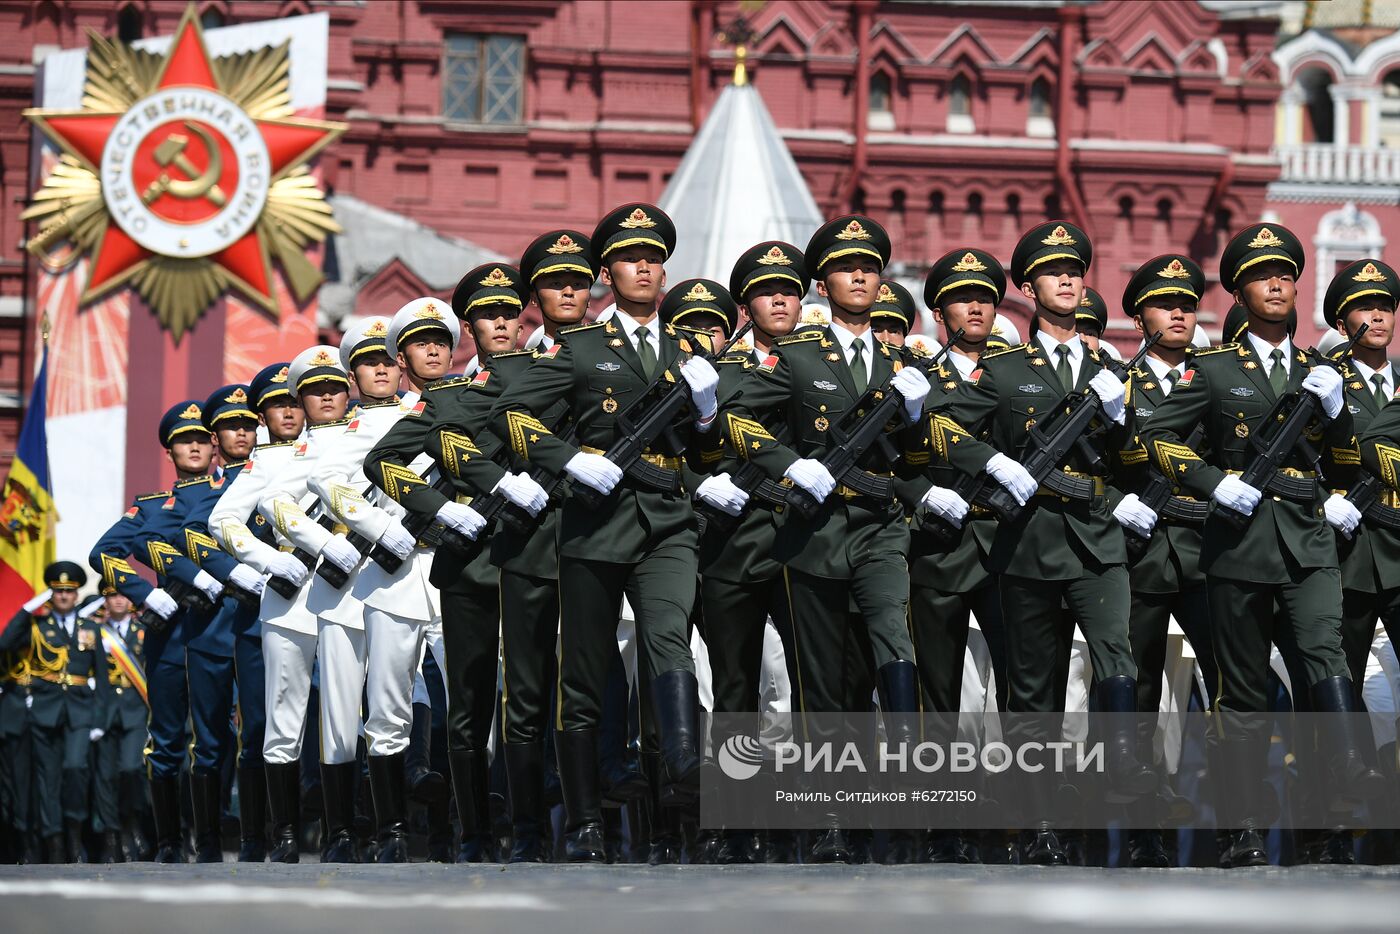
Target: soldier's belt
x=60 y=677
x=1290 y=483
x=664 y=461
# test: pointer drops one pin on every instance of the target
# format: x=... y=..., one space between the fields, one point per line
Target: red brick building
x=1149 y=123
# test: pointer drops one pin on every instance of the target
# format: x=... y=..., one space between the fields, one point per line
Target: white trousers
x=341 y=652
x=395 y=647
x=287 y=659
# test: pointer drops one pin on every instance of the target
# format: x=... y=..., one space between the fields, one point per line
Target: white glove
x=1132 y=514
x=1325 y=383
x=703 y=382
x=913 y=386
x=594 y=471
x=523 y=492
x=95 y=734
x=397 y=539
x=341 y=553
x=36 y=601
x=720 y=492
x=812 y=477
x=1236 y=494
x=1341 y=515
x=89 y=611
x=1110 y=391
x=161 y=603
x=285 y=566
x=946 y=504
x=211 y=588
x=1015 y=478
x=246 y=578
x=463 y=519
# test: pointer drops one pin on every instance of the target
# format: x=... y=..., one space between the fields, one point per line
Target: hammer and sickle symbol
x=195 y=184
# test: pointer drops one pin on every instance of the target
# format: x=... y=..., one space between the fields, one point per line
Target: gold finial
x=741 y=73
x=44 y=327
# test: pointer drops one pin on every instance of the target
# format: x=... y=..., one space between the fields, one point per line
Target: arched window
x=974 y=203
x=881 y=114
x=1040 y=117
x=1013 y=207
x=858 y=201
x=897 y=199
x=960 y=105
x=1052 y=206
x=1316 y=84
x=129 y=26
x=212 y=18
x=1390 y=109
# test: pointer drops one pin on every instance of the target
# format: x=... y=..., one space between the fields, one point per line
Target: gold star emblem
x=1369 y=273
x=238 y=396
x=774 y=257
x=638 y=218
x=854 y=231
x=969 y=263
x=322 y=358
x=497 y=280
x=698 y=293
x=1174 y=270
x=565 y=244
x=1265 y=238
x=1059 y=237
x=377 y=329
x=191 y=411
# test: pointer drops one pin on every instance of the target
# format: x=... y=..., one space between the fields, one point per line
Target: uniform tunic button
x=1277 y=499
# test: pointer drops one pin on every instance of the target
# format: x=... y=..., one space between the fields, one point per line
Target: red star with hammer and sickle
x=187 y=64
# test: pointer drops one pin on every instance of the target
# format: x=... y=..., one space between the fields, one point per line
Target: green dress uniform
x=640 y=542
x=950 y=579
x=65 y=697
x=1370 y=558
x=119 y=785
x=1286 y=554
x=16 y=761
x=847 y=570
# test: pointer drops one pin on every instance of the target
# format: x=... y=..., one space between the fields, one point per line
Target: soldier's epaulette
x=798 y=337
x=735 y=358
x=338 y=421
x=449 y=382
x=513 y=353
x=573 y=329
x=1002 y=353
x=380 y=405
x=1209 y=351
x=272 y=444
x=192 y=481
x=158 y=494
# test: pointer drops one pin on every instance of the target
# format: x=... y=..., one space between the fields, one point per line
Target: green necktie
x=1063 y=372
x=1172 y=376
x=859 y=375
x=644 y=351
x=1278 y=378
x=1378 y=380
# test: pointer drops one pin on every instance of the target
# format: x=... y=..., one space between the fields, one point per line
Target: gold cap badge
x=191 y=411
x=237 y=396
x=1174 y=270
x=698 y=293
x=497 y=280
x=886 y=294
x=281 y=376
x=565 y=244
x=1369 y=273
x=1265 y=238
x=377 y=329
x=322 y=359
x=854 y=231
x=774 y=257
x=969 y=263
x=1059 y=237
x=638 y=218
x=429 y=310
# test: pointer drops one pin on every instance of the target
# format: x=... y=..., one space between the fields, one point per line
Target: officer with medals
x=66 y=698
x=141 y=533
x=1057 y=552
x=846 y=571
x=1285 y=554
x=1164 y=567
x=119 y=788
x=640 y=541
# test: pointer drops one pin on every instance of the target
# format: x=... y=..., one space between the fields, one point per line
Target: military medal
x=1242 y=430
x=615 y=342
x=821 y=424
x=833 y=357
x=1353 y=385
x=1038 y=362
x=1149 y=385
x=950 y=385
x=610 y=405
x=1251 y=365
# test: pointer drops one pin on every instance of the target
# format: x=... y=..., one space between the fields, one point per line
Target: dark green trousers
x=939 y=625
x=835 y=622
x=1147 y=627
x=117 y=753
x=661 y=591
x=60 y=776
x=470 y=628
x=1360 y=610
x=16 y=763
x=1040 y=633
x=733 y=622
x=529 y=636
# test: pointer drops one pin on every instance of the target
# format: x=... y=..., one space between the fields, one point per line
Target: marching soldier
x=1164 y=567
x=855 y=546
x=640 y=541
x=65 y=700
x=244 y=533
x=140 y=533
x=1057 y=552
x=119 y=788
x=19 y=844
x=893 y=314
x=1284 y=552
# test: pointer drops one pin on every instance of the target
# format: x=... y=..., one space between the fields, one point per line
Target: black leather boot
x=206 y=791
x=1334 y=848
x=1244 y=847
x=1146 y=850
x=898 y=685
x=112 y=851
x=55 y=851
x=946 y=846
x=525 y=776
x=252 y=815
x=577 y=753
x=1129 y=778
x=472 y=788
x=338 y=790
x=1356 y=779
x=165 y=807
x=135 y=795
x=831 y=845
x=387 y=785
x=73 y=851
x=676 y=702
x=284 y=796
x=424 y=785
x=736 y=848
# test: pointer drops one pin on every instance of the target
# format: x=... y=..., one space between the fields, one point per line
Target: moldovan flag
x=27 y=516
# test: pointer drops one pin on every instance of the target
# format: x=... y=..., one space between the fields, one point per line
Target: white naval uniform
x=289 y=628
x=403 y=611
